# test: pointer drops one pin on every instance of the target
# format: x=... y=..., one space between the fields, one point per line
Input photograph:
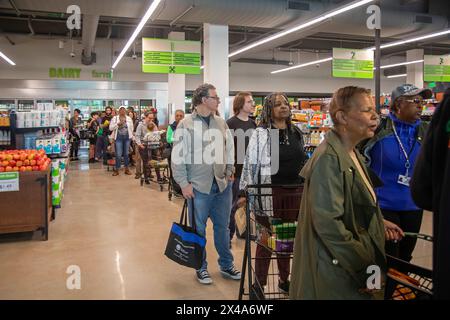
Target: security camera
x=72 y=54
x=134 y=56
x=317 y=65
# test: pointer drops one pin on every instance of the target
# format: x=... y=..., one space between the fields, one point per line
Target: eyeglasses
x=417 y=101
x=215 y=98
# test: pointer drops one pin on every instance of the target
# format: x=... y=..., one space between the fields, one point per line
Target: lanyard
x=408 y=163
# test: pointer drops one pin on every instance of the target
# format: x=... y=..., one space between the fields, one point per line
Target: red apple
x=32 y=162
x=15 y=169
x=16 y=157
x=26 y=162
x=19 y=163
x=23 y=156
x=31 y=156
x=23 y=169
x=5 y=163
x=35 y=168
x=12 y=163
x=29 y=168
x=9 y=157
x=2 y=169
x=8 y=169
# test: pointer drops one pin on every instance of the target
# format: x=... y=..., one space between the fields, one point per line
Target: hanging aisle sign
x=9 y=181
x=436 y=68
x=352 y=63
x=171 y=56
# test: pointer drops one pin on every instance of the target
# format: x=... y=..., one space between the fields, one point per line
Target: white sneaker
x=203 y=277
x=231 y=273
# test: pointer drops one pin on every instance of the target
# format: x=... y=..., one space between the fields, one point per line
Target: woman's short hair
x=344 y=99
x=239 y=101
x=200 y=93
x=179 y=110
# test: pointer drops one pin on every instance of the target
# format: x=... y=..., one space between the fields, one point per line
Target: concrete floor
x=116 y=232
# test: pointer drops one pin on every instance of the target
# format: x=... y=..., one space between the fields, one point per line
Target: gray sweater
x=190 y=161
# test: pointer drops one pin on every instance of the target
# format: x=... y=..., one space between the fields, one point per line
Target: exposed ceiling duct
x=90 y=24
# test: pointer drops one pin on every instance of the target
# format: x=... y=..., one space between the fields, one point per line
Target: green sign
x=104 y=75
x=170 y=56
x=64 y=73
x=436 y=68
x=9 y=181
x=352 y=63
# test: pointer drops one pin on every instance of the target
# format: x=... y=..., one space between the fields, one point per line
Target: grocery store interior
x=61 y=211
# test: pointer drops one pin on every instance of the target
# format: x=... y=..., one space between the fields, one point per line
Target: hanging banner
x=171 y=56
x=352 y=63
x=436 y=68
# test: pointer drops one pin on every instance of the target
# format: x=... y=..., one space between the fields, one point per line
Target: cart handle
x=419 y=236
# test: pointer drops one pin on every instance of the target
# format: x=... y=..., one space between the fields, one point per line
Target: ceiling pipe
x=90 y=24
x=11 y=2
x=30 y=27
x=181 y=15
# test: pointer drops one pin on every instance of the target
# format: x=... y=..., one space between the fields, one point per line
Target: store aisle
x=115 y=231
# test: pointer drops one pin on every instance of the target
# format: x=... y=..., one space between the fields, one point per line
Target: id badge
x=403 y=180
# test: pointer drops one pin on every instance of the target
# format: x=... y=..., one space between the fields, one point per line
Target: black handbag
x=185 y=246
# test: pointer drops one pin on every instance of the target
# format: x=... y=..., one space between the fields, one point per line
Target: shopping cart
x=406 y=281
x=158 y=163
x=269 y=241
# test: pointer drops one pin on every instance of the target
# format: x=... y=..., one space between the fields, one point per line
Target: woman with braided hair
x=275 y=156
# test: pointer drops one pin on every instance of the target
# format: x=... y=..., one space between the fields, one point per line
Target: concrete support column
x=177 y=85
x=216 y=71
x=414 y=72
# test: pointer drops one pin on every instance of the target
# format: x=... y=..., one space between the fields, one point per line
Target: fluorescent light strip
x=302 y=65
x=7 y=59
x=397 y=43
x=397 y=75
x=141 y=24
x=321 y=18
x=399 y=64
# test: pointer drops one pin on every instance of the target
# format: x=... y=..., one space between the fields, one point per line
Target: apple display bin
x=30 y=208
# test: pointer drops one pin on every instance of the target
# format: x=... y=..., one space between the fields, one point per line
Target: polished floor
x=115 y=231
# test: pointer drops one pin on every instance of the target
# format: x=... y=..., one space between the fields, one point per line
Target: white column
x=177 y=84
x=414 y=72
x=216 y=71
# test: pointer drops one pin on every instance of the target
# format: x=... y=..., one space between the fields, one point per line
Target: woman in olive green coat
x=341 y=231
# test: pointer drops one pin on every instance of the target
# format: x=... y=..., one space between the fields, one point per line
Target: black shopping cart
x=406 y=281
x=270 y=237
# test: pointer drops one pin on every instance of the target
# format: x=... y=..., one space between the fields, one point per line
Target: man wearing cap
x=392 y=153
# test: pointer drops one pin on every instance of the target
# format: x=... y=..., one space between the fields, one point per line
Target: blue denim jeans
x=122 y=149
x=215 y=205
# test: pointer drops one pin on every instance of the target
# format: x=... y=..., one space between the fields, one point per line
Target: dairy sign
x=352 y=63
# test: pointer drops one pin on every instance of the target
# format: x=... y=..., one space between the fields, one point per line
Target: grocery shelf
x=26 y=130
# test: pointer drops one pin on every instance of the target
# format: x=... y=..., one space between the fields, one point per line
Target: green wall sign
x=65 y=73
x=170 y=56
x=436 y=68
x=104 y=75
x=352 y=63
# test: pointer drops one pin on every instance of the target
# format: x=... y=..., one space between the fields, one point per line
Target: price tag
x=9 y=181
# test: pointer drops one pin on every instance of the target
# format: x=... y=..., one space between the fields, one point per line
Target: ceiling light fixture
x=302 y=65
x=7 y=59
x=387 y=45
x=141 y=24
x=399 y=64
x=427 y=36
x=314 y=21
x=397 y=75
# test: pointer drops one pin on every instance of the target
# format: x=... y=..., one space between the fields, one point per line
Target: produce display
x=23 y=160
